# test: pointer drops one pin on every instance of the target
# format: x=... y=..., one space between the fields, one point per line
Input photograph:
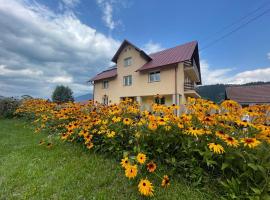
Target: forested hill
x=216 y=92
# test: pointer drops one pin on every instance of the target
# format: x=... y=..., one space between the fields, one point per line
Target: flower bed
x=224 y=145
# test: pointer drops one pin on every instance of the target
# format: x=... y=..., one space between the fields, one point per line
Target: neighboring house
x=172 y=74
x=249 y=94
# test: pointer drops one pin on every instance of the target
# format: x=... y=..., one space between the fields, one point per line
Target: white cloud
x=213 y=76
x=226 y=75
x=262 y=74
x=107 y=10
x=152 y=47
x=61 y=79
x=4 y=71
x=42 y=44
x=71 y=3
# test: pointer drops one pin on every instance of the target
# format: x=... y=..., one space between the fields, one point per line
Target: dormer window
x=127 y=61
x=105 y=84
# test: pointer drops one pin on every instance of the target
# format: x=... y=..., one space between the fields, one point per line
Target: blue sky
x=67 y=41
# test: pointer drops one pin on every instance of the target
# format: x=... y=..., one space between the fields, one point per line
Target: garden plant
x=224 y=146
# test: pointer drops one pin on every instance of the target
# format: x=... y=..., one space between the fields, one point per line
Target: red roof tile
x=169 y=56
x=249 y=94
x=105 y=74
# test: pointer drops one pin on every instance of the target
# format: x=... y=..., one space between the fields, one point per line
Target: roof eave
x=124 y=43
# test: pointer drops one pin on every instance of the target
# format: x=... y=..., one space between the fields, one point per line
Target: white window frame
x=155 y=77
x=128 y=61
x=127 y=80
x=105 y=84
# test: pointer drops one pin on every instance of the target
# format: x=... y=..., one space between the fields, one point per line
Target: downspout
x=93 y=83
x=175 y=83
x=175 y=87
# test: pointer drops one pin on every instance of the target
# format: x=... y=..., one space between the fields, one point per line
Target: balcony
x=192 y=71
x=189 y=90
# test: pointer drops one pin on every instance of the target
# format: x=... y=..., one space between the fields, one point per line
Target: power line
x=239 y=20
x=234 y=30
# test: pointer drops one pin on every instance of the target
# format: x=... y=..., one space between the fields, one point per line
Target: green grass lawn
x=66 y=171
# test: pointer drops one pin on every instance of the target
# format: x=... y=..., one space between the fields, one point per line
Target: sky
x=44 y=43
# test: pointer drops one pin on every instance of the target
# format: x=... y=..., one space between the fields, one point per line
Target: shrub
x=62 y=94
x=222 y=145
x=8 y=106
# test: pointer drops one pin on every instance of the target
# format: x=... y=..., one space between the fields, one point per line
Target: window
x=154 y=76
x=127 y=61
x=127 y=80
x=105 y=100
x=160 y=100
x=105 y=84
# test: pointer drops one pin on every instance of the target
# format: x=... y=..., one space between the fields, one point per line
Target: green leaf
x=256 y=190
x=253 y=166
x=224 y=166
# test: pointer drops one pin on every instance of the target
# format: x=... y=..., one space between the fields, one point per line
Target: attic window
x=127 y=61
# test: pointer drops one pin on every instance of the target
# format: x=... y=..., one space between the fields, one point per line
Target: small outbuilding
x=249 y=94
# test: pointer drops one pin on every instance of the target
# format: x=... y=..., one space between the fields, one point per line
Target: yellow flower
x=152 y=126
x=131 y=171
x=111 y=134
x=165 y=181
x=231 y=141
x=127 y=121
x=167 y=128
x=151 y=167
x=195 y=131
x=145 y=187
x=141 y=158
x=124 y=162
x=89 y=145
x=250 y=142
x=216 y=148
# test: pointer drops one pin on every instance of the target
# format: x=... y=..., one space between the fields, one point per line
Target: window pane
x=127 y=61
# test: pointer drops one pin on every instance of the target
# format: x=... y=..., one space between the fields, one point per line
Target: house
x=172 y=74
x=249 y=94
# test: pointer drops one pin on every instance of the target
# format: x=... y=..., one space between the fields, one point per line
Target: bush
x=62 y=94
x=223 y=146
x=8 y=106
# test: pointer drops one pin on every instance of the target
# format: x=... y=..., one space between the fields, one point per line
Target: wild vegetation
x=223 y=146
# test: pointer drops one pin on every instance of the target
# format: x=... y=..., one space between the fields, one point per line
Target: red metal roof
x=162 y=58
x=105 y=74
x=249 y=94
x=169 y=56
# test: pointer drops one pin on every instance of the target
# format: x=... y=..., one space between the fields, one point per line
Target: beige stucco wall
x=140 y=84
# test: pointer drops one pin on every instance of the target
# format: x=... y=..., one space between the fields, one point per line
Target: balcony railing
x=189 y=86
x=193 y=68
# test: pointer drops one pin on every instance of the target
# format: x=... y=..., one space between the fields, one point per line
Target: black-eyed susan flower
x=195 y=131
x=216 y=148
x=151 y=166
x=141 y=158
x=127 y=121
x=89 y=145
x=145 y=187
x=131 y=171
x=250 y=142
x=49 y=145
x=125 y=162
x=41 y=142
x=165 y=181
x=221 y=134
x=231 y=141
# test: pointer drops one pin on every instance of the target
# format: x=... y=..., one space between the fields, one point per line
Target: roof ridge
x=263 y=84
x=194 y=41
